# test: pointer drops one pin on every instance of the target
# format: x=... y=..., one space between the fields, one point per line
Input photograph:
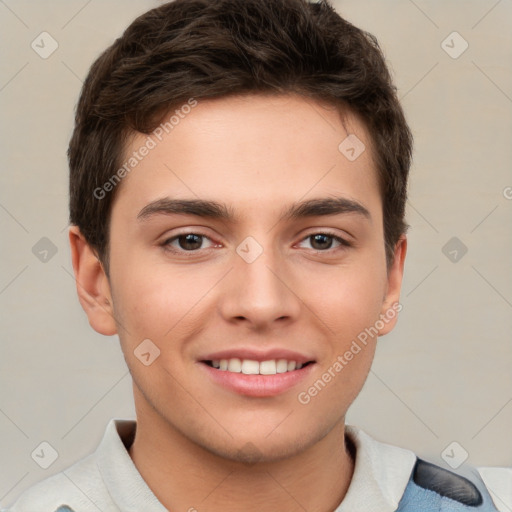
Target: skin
x=258 y=154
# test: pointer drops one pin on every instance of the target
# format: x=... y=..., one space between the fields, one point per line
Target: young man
x=238 y=186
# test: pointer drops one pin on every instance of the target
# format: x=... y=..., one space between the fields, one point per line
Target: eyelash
x=167 y=243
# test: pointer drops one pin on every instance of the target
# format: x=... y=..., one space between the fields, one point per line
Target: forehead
x=253 y=151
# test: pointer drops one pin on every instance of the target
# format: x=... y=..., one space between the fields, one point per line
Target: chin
x=259 y=449
x=253 y=453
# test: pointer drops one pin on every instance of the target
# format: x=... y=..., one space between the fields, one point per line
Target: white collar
x=381 y=472
x=125 y=484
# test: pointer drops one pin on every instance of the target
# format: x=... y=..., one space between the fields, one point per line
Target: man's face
x=255 y=286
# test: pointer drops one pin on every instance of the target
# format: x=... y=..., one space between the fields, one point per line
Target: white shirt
x=107 y=479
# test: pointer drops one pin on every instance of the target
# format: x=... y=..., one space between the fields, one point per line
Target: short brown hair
x=213 y=48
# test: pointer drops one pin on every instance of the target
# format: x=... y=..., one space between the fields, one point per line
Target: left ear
x=391 y=306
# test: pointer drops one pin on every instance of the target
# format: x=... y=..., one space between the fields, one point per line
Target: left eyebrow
x=215 y=210
x=325 y=206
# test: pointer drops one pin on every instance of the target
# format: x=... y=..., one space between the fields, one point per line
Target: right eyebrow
x=199 y=207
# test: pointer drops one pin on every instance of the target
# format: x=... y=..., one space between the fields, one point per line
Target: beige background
x=443 y=375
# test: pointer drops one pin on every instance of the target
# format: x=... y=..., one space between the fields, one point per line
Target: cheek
x=347 y=300
x=350 y=311
x=151 y=302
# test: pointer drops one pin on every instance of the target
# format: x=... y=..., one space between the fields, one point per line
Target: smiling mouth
x=252 y=367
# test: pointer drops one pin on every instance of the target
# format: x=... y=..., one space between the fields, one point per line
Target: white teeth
x=235 y=365
x=268 y=367
x=251 y=367
x=282 y=366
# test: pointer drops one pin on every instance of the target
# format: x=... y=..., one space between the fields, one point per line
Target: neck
x=185 y=476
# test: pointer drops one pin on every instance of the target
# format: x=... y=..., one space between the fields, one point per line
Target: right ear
x=92 y=284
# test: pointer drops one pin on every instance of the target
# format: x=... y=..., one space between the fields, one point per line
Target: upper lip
x=258 y=355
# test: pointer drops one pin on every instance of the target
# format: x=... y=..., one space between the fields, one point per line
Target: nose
x=259 y=293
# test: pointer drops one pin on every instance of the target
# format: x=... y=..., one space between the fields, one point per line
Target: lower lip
x=257 y=385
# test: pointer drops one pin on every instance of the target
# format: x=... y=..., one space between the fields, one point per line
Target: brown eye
x=190 y=241
x=186 y=242
x=321 y=241
x=325 y=241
